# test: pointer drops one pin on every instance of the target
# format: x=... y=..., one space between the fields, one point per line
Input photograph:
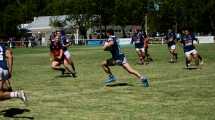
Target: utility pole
x=151 y=6
x=146 y=23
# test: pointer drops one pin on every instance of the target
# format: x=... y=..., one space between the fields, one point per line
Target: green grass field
x=175 y=93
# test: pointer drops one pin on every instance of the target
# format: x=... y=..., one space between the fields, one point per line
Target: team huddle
x=59 y=55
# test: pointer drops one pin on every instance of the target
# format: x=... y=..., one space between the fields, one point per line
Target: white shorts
x=173 y=47
x=4 y=74
x=188 y=54
x=140 y=49
x=67 y=54
x=121 y=62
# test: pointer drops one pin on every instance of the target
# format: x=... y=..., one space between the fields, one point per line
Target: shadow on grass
x=191 y=68
x=12 y=112
x=117 y=84
x=62 y=76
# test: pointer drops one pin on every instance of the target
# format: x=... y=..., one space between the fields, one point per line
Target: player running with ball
x=118 y=58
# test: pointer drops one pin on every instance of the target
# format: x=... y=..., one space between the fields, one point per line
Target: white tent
x=41 y=25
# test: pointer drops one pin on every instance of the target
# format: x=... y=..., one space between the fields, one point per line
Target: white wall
x=205 y=39
x=124 y=41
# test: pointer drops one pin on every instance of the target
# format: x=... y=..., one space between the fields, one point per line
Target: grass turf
x=175 y=93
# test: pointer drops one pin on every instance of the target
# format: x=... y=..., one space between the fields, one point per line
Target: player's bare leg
x=130 y=70
x=188 y=60
x=69 y=68
x=73 y=65
x=4 y=95
x=56 y=66
x=5 y=86
x=107 y=70
x=148 y=57
x=196 y=58
x=200 y=59
x=141 y=56
x=171 y=51
x=174 y=55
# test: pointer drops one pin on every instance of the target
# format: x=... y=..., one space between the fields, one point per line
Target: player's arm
x=51 y=54
x=9 y=56
x=165 y=39
x=61 y=54
x=67 y=44
x=146 y=41
x=194 y=38
x=132 y=40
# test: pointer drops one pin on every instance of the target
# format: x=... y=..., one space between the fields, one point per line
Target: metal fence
x=80 y=42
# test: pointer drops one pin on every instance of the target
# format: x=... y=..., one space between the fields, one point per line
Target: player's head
x=186 y=32
x=169 y=30
x=57 y=38
x=58 y=33
x=136 y=30
x=62 y=32
x=110 y=32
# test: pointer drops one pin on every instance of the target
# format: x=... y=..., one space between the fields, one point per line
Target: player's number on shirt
x=1 y=53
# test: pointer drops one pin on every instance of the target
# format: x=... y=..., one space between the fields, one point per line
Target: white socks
x=14 y=94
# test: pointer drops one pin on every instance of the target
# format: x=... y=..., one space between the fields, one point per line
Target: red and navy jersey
x=187 y=41
x=55 y=48
x=138 y=40
x=3 y=61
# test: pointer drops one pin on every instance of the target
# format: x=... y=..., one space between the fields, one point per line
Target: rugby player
x=58 y=57
x=189 y=48
x=146 y=47
x=118 y=58
x=6 y=66
x=66 y=43
x=199 y=56
x=171 y=44
x=138 y=40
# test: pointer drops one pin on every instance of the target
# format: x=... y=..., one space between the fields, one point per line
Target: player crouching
x=6 y=64
x=58 y=58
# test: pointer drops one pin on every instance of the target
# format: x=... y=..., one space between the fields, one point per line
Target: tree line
x=162 y=14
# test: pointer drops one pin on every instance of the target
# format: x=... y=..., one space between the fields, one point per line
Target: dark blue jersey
x=115 y=51
x=138 y=40
x=3 y=61
x=170 y=38
x=187 y=41
x=64 y=42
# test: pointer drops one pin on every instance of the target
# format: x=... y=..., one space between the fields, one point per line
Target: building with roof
x=42 y=28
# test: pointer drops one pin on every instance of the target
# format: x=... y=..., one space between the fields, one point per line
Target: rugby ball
x=107 y=48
